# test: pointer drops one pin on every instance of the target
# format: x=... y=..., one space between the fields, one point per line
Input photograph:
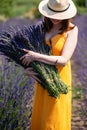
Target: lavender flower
x=33 y=38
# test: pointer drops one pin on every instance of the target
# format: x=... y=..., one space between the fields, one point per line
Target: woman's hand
x=28 y=57
x=29 y=72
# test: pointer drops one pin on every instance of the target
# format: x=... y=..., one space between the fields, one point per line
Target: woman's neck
x=54 y=31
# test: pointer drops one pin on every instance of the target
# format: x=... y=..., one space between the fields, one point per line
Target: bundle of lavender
x=32 y=38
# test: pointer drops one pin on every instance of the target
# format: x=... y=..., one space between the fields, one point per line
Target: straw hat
x=57 y=9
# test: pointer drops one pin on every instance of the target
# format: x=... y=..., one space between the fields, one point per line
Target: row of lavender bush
x=16 y=92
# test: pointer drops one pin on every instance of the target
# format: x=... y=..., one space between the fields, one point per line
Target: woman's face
x=55 y=21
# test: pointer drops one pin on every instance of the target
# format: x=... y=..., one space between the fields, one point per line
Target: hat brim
x=67 y=14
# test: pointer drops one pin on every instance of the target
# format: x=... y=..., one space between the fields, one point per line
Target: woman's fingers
x=25 y=62
x=25 y=50
x=34 y=77
x=29 y=72
x=22 y=57
x=26 y=59
x=29 y=69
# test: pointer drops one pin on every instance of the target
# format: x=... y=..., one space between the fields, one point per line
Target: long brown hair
x=65 y=25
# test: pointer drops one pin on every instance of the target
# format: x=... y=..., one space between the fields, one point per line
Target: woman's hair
x=65 y=25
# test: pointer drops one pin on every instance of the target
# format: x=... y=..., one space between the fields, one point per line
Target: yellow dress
x=53 y=113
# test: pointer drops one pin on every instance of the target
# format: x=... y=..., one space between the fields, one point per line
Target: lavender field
x=79 y=70
x=16 y=90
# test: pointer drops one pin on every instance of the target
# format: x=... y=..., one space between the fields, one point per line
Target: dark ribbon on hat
x=58 y=10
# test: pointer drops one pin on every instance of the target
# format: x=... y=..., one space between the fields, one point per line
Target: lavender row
x=16 y=97
x=80 y=55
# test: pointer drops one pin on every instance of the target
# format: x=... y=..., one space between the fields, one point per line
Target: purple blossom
x=16 y=91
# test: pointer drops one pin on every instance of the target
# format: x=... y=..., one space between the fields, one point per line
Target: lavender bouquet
x=32 y=38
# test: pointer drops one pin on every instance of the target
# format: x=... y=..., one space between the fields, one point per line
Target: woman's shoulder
x=73 y=28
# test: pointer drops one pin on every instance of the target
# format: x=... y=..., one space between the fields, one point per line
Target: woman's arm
x=67 y=51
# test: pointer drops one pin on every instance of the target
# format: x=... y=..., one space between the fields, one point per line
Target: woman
x=54 y=113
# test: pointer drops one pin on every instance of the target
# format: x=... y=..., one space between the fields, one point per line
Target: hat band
x=58 y=10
